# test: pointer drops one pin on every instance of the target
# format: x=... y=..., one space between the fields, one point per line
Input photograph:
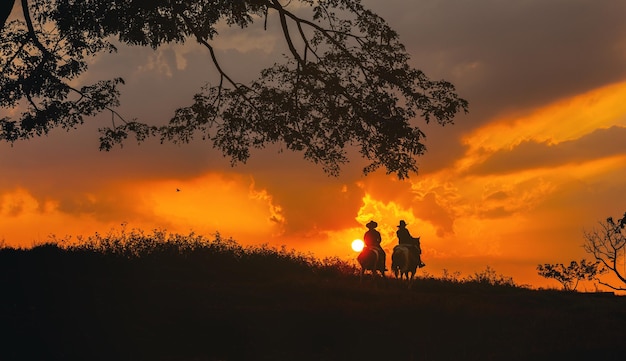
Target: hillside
x=190 y=299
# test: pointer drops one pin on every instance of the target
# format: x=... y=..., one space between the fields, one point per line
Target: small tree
x=571 y=275
x=608 y=246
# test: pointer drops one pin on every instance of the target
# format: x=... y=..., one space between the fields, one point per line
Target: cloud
x=311 y=207
x=540 y=131
x=508 y=58
x=18 y=202
x=229 y=203
x=429 y=209
x=529 y=155
x=254 y=39
x=515 y=54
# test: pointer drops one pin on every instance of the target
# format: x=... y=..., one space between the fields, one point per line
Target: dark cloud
x=105 y=204
x=72 y=160
x=430 y=210
x=11 y=209
x=530 y=154
x=514 y=54
x=308 y=197
x=508 y=56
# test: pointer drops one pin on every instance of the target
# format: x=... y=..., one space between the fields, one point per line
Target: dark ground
x=62 y=305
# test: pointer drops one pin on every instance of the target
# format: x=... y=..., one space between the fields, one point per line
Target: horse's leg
x=405 y=267
x=412 y=273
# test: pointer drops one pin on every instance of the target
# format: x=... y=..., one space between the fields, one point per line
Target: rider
x=372 y=239
x=405 y=238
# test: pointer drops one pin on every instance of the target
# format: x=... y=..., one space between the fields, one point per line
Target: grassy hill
x=158 y=297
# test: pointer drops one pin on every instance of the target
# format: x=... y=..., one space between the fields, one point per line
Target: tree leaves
x=346 y=81
x=569 y=276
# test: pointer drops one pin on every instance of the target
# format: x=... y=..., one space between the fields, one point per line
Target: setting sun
x=357 y=245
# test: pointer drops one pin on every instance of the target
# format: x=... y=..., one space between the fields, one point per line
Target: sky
x=539 y=159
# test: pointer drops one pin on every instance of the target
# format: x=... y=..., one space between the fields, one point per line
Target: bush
x=570 y=276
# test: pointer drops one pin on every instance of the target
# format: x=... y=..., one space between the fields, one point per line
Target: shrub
x=570 y=276
x=489 y=277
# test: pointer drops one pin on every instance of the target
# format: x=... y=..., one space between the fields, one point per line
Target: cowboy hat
x=371 y=224
x=402 y=223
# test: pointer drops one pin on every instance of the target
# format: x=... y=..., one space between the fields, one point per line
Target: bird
x=177 y=190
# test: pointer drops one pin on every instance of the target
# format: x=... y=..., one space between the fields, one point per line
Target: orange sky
x=540 y=157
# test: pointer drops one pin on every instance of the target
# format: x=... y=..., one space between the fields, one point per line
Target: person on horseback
x=373 y=239
x=405 y=238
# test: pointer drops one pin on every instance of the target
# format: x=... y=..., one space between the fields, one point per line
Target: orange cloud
x=598 y=144
x=225 y=203
x=211 y=203
x=26 y=220
x=568 y=119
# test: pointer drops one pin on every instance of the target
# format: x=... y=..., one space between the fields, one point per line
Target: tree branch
x=6 y=6
x=285 y=27
x=611 y=287
x=323 y=31
x=31 y=29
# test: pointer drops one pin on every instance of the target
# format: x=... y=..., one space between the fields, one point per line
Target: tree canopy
x=344 y=82
x=569 y=276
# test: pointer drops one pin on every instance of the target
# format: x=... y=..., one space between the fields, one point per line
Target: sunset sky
x=539 y=158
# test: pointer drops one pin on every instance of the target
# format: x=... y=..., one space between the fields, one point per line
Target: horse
x=369 y=261
x=405 y=260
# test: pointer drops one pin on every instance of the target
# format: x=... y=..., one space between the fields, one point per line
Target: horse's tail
x=396 y=258
x=399 y=260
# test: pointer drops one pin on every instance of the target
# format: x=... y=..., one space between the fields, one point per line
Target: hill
x=185 y=298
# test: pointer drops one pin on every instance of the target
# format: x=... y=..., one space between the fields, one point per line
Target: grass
x=136 y=296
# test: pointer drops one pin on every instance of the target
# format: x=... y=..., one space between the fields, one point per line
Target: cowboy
x=405 y=238
x=373 y=239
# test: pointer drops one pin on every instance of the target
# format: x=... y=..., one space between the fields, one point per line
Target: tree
x=570 y=276
x=608 y=245
x=345 y=82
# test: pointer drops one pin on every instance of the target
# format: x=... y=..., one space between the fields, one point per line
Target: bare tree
x=608 y=245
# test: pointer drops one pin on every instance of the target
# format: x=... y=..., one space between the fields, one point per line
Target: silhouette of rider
x=372 y=239
x=405 y=238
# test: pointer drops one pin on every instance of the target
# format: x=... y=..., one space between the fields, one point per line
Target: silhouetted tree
x=569 y=276
x=346 y=80
x=608 y=245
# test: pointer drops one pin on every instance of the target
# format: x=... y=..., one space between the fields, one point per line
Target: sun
x=357 y=245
